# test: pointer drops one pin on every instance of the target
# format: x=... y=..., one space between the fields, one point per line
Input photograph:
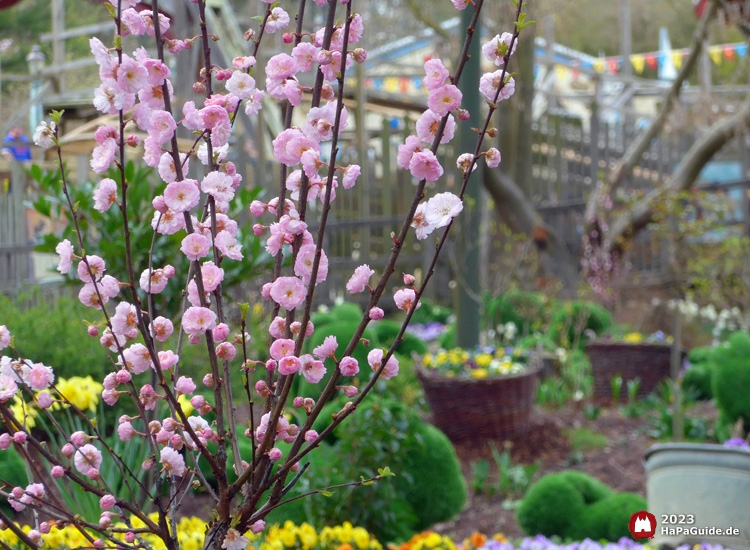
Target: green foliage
x=661 y=405
x=12 y=472
x=608 y=518
x=574 y=383
x=386 y=331
x=528 y=311
x=51 y=332
x=583 y=439
x=382 y=432
x=698 y=377
x=569 y=321
x=447 y=340
x=536 y=341
x=731 y=378
x=431 y=457
x=431 y=313
x=574 y=505
x=103 y=231
x=551 y=506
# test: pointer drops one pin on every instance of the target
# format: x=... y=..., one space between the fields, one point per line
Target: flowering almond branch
x=172 y=418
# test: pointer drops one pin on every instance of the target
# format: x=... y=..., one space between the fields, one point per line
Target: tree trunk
x=519 y=214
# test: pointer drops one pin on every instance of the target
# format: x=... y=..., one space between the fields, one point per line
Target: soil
x=618 y=463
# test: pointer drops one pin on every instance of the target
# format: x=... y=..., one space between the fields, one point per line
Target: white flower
x=442 y=208
x=235 y=541
x=44 y=135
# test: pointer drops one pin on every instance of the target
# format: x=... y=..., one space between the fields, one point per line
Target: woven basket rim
x=430 y=374
x=620 y=344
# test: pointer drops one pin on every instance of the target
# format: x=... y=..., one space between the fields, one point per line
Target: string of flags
x=653 y=60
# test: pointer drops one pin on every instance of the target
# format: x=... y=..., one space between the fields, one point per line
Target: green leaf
x=258 y=18
x=385 y=472
x=244 y=307
x=56 y=115
x=111 y=10
x=327 y=493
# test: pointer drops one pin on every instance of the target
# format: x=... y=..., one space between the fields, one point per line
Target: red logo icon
x=642 y=525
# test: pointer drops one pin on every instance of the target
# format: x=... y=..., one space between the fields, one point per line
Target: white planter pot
x=708 y=482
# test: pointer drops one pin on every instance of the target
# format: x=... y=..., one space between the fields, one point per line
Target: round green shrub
x=570 y=320
x=731 y=378
x=591 y=489
x=527 y=310
x=697 y=381
x=387 y=331
x=532 y=341
x=702 y=354
x=551 y=506
x=447 y=340
x=608 y=518
x=430 y=312
x=430 y=458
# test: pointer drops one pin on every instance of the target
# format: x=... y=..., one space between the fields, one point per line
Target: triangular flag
x=677 y=59
x=390 y=85
x=639 y=62
x=741 y=50
x=613 y=65
x=599 y=65
x=651 y=60
x=728 y=52
x=715 y=53
x=561 y=72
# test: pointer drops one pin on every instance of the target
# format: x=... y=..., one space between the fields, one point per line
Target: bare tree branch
x=642 y=213
x=633 y=155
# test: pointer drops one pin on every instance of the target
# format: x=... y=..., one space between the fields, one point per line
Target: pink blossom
x=197 y=320
x=65 y=251
x=493 y=158
x=4 y=337
x=218 y=185
x=87 y=457
x=153 y=281
x=131 y=75
x=313 y=370
x=234 y=539
x=57 y=472
x=327 y=348
x=44 y=400
x=172 y=462
x=8 y=388
x=166 y=168
x=228 y=245
x=212 y=276
x=195 y=246
x=428 y=124
x=404 y=298
x=161 y=328
x=180 y=196
x=490 y=82
x=436 y=74
x=103 y=156
x=107 y=502
x=351 y=173
x=39 y=377
x=109 y=98
x=132 y=22
x=464 y=162
x=161 y=126
x=304 y=55
x=283 y=347
x=44 y=134
x=168 y=359
x=241 y=84
x=168 y=222
x=496 y=49
x=442 y=208
x=254 y=102
x=376 y=313
x=407 y=150
x=360 y=279
x=137 y=358
x=220 y=332
x=375 y=359
x=125 y=431
x=289 y=365
x=444 y=99
x=184 y=385
x=279 y=19
x=424 y=165
x=241 y=63
x=460 y=4
x=281 y=66
x=277 y=328
x=105 y=195
x=105 y=132
x=288 y=292
x=91 y=269
x=349 y=366
x=226 y=351
x=304 y=263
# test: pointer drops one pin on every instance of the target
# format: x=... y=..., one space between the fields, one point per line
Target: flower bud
x=19 y=437
x=105 y=520
x=197 y=401
x=5 y=441
x=133 y=141
x=93 y=330
x=44 y=399
x=275 y=454
x=44 y=528
x=159 y=204
x=327 y=92
x=262 y=388
x=249 y=33
x=409 y=280
x=208 y=380
x=199 y=87
x=57 y=471
x=287 y=37
x=107 y=502
x=463 y=114
x=68 y=450
x=359 y=55
x=154 y=427
x=376 y=313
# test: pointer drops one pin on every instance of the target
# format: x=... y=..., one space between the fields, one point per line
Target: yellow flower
x=81 y=392
x=24 y=412
x=633 y=338
x=483 y=360
x=187 y=407
x=479 y=373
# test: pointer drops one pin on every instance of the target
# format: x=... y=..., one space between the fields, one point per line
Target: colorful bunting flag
x=728 y=52
x=613 y=64
x=639 y=62
x=714 y=53
x=677 y=59
x=651 y=60
x=600 y=64
x=561 y=72
x=741 y=50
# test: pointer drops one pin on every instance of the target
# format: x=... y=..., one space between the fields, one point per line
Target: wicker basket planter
x=648 y=362
x=487 y=408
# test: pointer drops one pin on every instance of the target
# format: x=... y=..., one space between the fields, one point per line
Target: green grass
x=583 y=439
